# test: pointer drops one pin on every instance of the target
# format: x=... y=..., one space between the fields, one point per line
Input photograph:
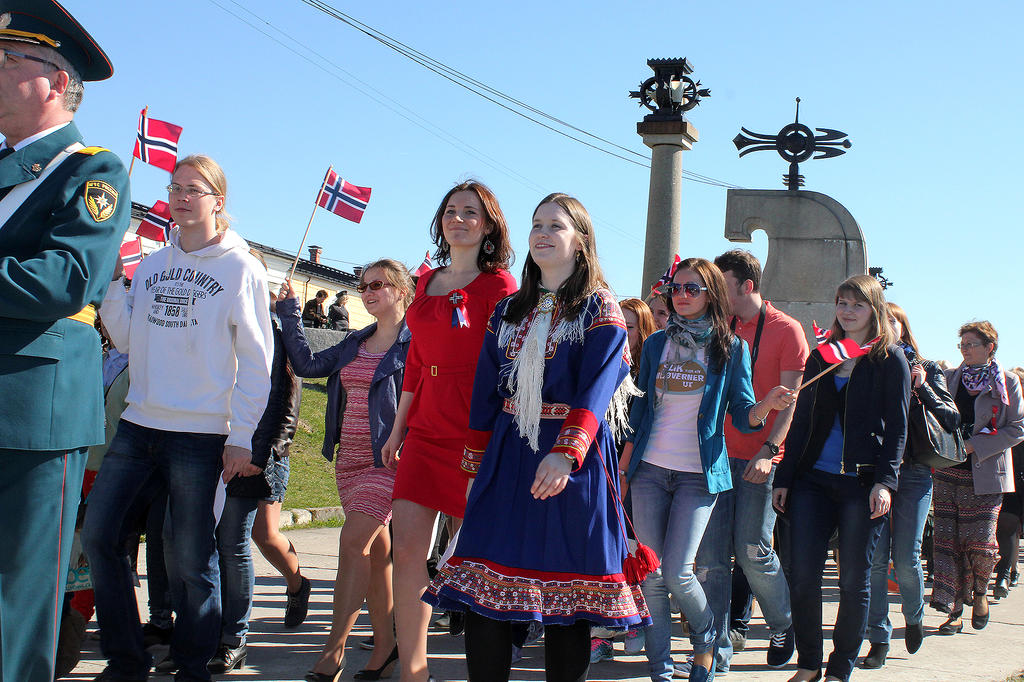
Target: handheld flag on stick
x=131 y=256
x=157 y=224
x=343 y=198
x=424 y=267
x=820 y=335
x=667 y=277
x=836 y=353
x=156 y=143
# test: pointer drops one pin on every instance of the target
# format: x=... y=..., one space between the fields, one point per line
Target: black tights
x=1008 y=536
x=489 y=650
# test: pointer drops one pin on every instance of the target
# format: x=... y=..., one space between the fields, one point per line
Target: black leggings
x=1008 y=535
x=489 y=650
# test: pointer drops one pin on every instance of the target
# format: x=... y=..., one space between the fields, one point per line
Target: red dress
x=439 y=371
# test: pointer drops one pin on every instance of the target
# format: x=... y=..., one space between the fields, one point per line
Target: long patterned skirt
x=965 y=548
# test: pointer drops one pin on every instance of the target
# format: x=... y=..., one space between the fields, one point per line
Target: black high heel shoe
x=382 y=672
x=312 y=676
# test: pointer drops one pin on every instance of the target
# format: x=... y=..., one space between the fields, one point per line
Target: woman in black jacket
x=901 y=538
x=840 y=469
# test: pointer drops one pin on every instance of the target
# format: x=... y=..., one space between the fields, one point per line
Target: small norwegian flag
x=667 y=277
x=820 y=335
x=157 y=142
x=835 y=352
x=343 y=198
x=424 y=267
x=157 y=224
x=131 y=256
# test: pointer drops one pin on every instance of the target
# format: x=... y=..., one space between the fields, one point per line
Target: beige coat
x=992 y=464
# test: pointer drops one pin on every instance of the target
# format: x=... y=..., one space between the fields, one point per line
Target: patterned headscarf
x=985 y=377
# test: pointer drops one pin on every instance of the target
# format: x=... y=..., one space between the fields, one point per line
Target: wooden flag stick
x=316 y=205
x=132 y=163
x=818 y=376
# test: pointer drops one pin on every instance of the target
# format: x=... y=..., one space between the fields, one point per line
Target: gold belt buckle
x=433 y=370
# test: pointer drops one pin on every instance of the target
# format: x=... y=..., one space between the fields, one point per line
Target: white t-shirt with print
x=679 y=389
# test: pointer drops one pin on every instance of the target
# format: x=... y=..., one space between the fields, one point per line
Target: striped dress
x=362 y=487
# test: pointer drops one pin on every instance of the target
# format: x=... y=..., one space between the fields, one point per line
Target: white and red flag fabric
x=131 y=256
x=424 y=267
x=667 y=277
x=157 y=224
x=342 y=197
x=834 y=352
x=820 y=335
x=157 y=142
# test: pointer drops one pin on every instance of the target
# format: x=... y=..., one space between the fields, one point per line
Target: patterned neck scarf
x=908 y=351
x=689 y=335
x=985 y=377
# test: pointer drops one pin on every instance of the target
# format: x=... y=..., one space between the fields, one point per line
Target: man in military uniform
x=63 y=211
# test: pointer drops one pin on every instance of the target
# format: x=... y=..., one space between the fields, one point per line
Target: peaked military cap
x=46 y=22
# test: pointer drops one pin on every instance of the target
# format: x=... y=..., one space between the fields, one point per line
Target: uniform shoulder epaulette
x=92 y=150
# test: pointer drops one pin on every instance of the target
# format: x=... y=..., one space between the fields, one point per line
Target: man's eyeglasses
x=4 y=52
x=192 y=192
x=375 y=285
x=691 y=289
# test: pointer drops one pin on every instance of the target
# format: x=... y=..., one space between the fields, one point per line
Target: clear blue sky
x=929 y=92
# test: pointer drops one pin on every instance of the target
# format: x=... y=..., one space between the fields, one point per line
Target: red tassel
x=637 y=565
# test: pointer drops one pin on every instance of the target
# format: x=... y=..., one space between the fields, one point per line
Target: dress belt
x=547 y=410
x=448 y=370
x=86 y=315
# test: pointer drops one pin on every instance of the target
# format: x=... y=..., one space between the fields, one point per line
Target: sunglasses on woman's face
x=375 y=285
x=691 y=289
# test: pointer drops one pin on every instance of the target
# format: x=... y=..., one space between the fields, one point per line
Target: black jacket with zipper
x=874 y=420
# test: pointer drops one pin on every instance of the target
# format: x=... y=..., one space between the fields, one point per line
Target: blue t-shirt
x=831 y=459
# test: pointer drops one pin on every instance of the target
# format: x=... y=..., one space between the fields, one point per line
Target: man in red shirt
x=743 y=519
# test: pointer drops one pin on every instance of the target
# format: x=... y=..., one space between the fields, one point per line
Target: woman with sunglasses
x=448 y=319
x=542 y=541
x=900 y=539
x=693 y=373
x=839 y=472
x=368 y=366
x=196 y=322
x=968 y=496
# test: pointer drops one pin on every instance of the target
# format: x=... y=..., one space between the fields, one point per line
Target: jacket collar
x=28 y=163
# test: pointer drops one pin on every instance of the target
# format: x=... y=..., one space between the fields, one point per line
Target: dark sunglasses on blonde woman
x=375 y=285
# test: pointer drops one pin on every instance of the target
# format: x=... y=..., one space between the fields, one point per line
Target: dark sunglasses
x=375 y=285
x=691 y=289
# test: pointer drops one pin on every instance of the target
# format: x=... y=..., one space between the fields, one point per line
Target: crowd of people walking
x=598 y=465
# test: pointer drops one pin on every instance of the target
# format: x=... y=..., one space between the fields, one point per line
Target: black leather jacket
x=935 y=396
x=875 y=423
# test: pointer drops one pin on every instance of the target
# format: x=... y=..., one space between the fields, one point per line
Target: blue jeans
x=818 y=504
x=670 y=512
x=743 y=521
x=237 y=577
x=901 y=540
x=190 y=463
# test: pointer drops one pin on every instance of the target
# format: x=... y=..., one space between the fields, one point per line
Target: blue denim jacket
x=730 y=392
x=385 y=390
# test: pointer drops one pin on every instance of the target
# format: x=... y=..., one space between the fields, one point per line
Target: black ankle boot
x=876 y=656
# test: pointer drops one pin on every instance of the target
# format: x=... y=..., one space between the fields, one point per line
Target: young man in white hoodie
x=196 y=321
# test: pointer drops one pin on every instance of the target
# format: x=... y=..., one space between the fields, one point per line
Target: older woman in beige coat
x=967 y=497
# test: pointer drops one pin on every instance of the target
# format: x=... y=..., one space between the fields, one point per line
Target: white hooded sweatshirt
x=197 y=328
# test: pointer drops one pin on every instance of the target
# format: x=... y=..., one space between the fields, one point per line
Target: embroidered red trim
x=577 y=434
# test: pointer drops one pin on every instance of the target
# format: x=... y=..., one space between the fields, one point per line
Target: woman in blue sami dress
x=543 y=538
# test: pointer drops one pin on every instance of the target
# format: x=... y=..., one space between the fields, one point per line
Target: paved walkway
x=279 y=654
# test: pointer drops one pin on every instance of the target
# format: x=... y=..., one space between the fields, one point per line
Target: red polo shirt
x=783 y=348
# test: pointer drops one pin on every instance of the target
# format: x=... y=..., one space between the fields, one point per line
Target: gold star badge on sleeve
x=100 y=200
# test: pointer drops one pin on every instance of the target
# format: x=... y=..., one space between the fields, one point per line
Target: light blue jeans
x=742 y=522
x=670 y=512
x=902 y=541
x=237 y=577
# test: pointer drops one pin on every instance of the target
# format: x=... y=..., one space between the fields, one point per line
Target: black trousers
x=1008 y=535
x=489 y=650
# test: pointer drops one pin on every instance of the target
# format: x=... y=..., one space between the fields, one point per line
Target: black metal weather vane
x=795 y=143
x=670 y=93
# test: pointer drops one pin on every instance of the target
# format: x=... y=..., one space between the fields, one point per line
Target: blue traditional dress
x=557 y=560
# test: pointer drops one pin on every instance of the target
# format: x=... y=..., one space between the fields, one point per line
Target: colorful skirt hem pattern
x=504 y=593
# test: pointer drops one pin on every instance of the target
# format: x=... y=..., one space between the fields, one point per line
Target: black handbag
x=931 y=444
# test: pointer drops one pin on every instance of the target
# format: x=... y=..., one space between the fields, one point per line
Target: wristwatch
x=772 y=448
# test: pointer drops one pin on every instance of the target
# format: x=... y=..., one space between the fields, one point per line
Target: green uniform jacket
x=55 y=258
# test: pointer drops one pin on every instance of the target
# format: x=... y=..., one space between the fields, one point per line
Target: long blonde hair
x=213 y=174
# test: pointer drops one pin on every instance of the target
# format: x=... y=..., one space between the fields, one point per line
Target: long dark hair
x=586 y=277
x=496 y=229
x=719 y=348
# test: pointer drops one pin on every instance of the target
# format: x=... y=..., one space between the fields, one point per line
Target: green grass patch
x=329 y=523
x=311 y=482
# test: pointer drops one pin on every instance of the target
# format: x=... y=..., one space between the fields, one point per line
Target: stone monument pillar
x=668 y=95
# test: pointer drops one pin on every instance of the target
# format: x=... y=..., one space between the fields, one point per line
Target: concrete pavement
x=278 y=654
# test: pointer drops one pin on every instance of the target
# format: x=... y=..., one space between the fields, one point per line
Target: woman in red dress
x=447 y=318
